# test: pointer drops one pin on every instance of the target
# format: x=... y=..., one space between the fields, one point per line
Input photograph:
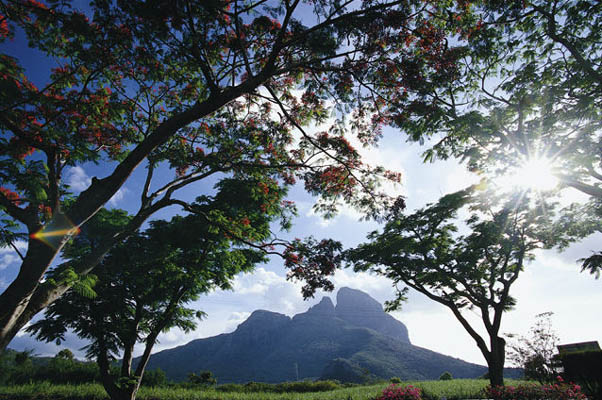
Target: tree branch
x=553 y=34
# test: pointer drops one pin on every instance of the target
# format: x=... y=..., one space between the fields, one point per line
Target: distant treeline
x=285 y=387
x=18 y=368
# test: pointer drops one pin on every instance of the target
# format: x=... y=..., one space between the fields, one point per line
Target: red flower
x=10 y=195
x=3 y=26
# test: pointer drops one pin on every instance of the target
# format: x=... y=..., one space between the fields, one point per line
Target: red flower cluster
x=394 y=392
x=3 y=26
x=10 y=195
x=556 y=391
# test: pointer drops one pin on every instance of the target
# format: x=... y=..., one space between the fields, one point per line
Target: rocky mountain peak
x=359 y=309
x=324 y=307
x=263 y=320
x=354 y=301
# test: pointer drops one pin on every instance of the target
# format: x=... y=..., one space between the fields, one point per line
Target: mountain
x=350 y=342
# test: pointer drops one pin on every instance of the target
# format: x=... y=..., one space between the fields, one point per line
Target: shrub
x=254 y=387
x=307 y=386
x=394 y=392
x=284 y=387
x=65 y=370
x=229 y=387
x=154 y=378
x=584 y=368
x=522 y=392
x=204 y=378
x=556 y=391
x=395 y=379
x=446 y=376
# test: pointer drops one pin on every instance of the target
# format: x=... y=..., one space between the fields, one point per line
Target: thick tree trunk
x=128 y=392
x=496 y=361
x=17 y=296
x=115 y=390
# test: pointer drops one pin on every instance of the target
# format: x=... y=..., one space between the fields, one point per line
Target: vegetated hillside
x=351 y=342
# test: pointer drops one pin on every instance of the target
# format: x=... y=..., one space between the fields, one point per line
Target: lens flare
x=54 y=232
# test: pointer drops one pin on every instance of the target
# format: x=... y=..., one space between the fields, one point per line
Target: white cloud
x=322 y=222
x=256 y=283
x=236 y=318
x=379 y=287
x=420 y=183
x=118 y=196
x=6 y=260
x=78 y=179
x=22 y=332
x=8 y=255
x=19 y=244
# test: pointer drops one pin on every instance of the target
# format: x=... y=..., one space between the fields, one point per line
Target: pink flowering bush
x=394 y=392
x=556 y=391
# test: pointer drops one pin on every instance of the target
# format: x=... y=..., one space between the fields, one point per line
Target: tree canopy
x=145 y=282
x=191 y=91
x=530 y=89
x=464 y=272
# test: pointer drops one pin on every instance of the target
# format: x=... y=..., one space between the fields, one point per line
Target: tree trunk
x=16 y=298
x=127 y=392
x=496 y=361
x=115 y=389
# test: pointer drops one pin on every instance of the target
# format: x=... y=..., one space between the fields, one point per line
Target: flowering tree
x=197 y=90
x=528 y=98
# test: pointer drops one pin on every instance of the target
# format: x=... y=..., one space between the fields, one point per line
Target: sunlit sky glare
x=551 y=283
x=536 y=173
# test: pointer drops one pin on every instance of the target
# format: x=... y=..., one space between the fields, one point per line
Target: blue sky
x=551 y=283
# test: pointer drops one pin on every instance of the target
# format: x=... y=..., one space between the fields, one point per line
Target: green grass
x=454 y=389
x=47 y=391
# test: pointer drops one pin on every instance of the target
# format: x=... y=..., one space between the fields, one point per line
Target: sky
x=550 y=283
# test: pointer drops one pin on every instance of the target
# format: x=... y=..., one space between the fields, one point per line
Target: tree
x=192 y=91
x=536 y=354
x=530 y=91
x=146 y=281
x=63 y=368
x=154 y=378
x=462 y=272
x=446 y=376
x=65 y=354
x=23 y=357
x=204 y=378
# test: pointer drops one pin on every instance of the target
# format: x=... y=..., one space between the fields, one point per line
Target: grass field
x=454 y=389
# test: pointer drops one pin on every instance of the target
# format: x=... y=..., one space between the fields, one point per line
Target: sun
x=536 y=173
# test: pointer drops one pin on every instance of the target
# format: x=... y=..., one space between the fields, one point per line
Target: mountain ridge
x=351 y=341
